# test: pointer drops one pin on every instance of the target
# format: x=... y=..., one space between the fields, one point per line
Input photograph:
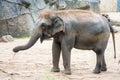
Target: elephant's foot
x=103 y=69
x=68 y=72
x=55 y=69
x=96 y=71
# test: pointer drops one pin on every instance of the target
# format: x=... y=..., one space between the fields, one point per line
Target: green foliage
x=23 y=37
x=49 y=77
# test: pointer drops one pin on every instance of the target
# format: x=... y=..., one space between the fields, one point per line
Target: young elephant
x=72 y=28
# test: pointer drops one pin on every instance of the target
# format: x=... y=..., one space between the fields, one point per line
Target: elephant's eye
x=43 y=24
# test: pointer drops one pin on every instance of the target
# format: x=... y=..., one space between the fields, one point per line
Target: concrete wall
x=108 y=5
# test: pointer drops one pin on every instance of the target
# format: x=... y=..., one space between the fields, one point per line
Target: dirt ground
x=36 y=63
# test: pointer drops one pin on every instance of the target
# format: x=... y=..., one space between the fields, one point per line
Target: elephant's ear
x=58 y=25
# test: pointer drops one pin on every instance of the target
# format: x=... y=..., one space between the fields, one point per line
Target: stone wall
x=15 y=19
x=17 y=27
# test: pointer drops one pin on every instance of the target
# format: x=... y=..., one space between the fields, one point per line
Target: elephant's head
x=48 y=24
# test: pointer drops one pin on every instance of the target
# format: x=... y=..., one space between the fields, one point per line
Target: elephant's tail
x=113 y=37
x=112 y=32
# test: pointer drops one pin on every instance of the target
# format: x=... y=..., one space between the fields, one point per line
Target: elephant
x=80 y=29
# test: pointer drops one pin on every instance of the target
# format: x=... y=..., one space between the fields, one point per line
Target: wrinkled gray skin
x=72 y=29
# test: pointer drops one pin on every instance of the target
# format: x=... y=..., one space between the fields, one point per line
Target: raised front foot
x=55 y=69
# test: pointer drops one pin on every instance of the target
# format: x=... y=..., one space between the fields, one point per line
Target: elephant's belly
x=85 y=44
x=84 y=47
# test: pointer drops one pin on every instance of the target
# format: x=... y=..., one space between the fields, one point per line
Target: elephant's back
x=81 y=18
x=78 y=15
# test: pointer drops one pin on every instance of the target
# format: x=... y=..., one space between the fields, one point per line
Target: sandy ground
x=36 y=63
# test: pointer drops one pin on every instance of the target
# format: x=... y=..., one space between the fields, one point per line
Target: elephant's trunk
x=37 y=33
x=31 y=42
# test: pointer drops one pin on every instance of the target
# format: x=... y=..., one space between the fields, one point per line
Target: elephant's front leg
x=56 y=49
x=66 y=54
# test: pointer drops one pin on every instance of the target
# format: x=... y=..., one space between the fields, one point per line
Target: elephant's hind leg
x=103 y=64
x=100 y=65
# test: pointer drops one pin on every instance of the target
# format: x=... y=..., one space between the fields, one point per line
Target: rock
x=17 y=26
x=115 y=18
x=116 y=29
x=113 y=22
x=6 y=38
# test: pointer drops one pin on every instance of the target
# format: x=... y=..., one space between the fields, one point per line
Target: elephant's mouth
x=45 y=36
